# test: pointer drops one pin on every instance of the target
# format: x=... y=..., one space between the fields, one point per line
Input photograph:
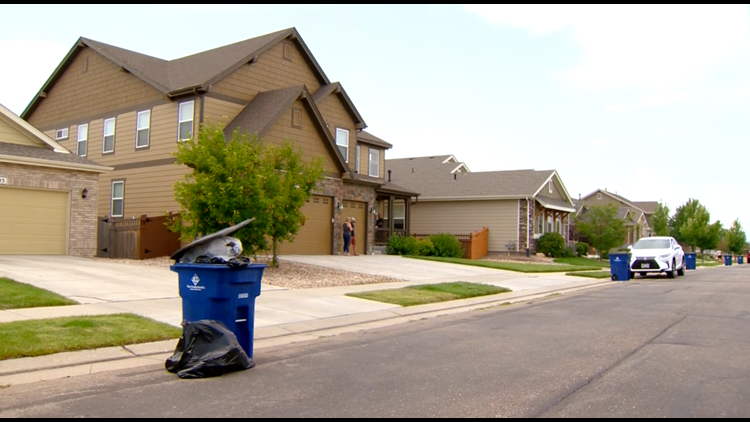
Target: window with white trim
x=142 y=125
x=82 y=140
x=118 y=197
x=342 y=141
x=108 y=136
x=540 y=225
x=399 y=214
x=61 y=134
x=356 y=159
x=549 y=186
x=185 y=118
x=374 y=167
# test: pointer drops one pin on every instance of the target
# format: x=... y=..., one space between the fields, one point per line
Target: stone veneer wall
x=82 y=225
x=526 y=223
x=347 y=191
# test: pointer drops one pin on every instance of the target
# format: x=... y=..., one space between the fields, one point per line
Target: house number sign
x=3 y=180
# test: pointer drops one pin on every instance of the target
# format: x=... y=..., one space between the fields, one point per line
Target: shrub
x=446 y=245
x=605 y=255
x=401 y=245
x=425 y=247
x=570 y=252
x=582 y=248
x=552 y=244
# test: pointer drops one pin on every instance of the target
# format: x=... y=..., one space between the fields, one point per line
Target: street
x=650 y=347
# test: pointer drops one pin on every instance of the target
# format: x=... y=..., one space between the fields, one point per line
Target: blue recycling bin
x=619 y=264
x=728 y=260
x=221 y=293
x=690 y=261
x=739 y=259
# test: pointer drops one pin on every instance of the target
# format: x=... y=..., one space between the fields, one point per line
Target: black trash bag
x=207 y=349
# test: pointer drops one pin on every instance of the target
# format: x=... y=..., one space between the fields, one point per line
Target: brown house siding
x=220 y=111
x=270 y=72
x=336 y=116
x=148 y=190
x=104 y=87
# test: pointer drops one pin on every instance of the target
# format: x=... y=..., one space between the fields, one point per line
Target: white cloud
x=658 y=99
x=21 y=82
x=637 y=45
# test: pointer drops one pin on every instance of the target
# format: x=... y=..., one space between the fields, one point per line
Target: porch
x=393 y=212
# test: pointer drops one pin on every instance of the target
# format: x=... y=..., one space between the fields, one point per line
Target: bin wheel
x=614 y=277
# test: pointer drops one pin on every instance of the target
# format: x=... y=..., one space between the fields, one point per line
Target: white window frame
x=61 y=134
x=121 y=199
x=341 y=131
x=357 y=159
x=549 y=187
x=370 y=163
x=183 y=119
x=105 y=135
x=399 y=214
x=82 y=129
x=138 y=129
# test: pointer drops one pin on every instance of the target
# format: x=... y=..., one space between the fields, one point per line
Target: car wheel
x=642 y=274
x=681 y=271
x=671 y=272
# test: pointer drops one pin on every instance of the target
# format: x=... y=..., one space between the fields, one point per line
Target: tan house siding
x=82 y=223
x=12 y=135
x=102 y=88
x=308 y=138
x=148 y=190
x=335 y=115
x=270 y=72
x=557 y=191
x=463 y=217
x=219 y=111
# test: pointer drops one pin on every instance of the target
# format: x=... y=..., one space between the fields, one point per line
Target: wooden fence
x=135 y=238
x=474 y=244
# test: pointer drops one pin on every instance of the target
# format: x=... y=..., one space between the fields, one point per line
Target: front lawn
x=509 y=266
x=48 y=336
x=583 y=261
x=591 y=274
x=15 y=295
x=430 y=293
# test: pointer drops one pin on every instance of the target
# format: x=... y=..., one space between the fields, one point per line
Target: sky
x=649 y=102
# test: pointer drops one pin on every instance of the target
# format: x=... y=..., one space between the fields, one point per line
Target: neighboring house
x=635 y=215
x=517 y=206
x=48 y=196
x=129 y=110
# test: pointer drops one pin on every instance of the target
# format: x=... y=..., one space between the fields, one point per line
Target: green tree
x=736 y=238
x=682 y=214
x=241 y=179
x=600 y=225
x=698 y=232
x=660 y=220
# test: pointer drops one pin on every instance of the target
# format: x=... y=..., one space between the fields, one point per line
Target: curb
x=69 y=364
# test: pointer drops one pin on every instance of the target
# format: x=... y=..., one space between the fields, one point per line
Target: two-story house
x=128 y=110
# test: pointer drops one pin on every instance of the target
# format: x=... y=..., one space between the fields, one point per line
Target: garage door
x=33 y=222
x=357 y=210
x=314 y=238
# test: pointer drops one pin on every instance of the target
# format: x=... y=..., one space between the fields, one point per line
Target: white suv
x=660 y=254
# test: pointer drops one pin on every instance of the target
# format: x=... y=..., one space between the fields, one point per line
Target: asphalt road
x=647 y=348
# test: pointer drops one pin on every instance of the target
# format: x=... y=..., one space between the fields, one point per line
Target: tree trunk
x=274 y=260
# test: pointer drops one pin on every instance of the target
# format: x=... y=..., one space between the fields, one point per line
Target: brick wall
x=82 y=227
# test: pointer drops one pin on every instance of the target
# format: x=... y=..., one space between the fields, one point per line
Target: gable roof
x=336 y=88
x=268 y=106
x=616 y=197
x=34 y=133
x=369 y=138
x=194 y=73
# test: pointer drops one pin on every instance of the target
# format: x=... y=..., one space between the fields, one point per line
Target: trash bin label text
x=243 y=296
x=195 y=287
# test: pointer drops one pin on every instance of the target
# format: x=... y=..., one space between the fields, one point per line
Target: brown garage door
x=33 y=222
x=314 y=238
x=357 y=210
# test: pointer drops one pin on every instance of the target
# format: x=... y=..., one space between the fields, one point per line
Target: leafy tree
x=660 y=220
x=241 y=179
x=681 y=216
x=601 y=227
x=698 y=232
x=736 y=238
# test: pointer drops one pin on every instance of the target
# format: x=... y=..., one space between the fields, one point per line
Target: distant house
x=635 y=215
x=517 y=206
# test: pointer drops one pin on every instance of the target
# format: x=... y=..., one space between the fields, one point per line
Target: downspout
x=528 y=212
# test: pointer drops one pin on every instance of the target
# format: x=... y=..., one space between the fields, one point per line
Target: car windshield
x=652 y=244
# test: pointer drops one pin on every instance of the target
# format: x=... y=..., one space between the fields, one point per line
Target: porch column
x=390 y=215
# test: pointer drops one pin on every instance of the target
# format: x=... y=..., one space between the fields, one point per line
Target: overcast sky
x=650 y=102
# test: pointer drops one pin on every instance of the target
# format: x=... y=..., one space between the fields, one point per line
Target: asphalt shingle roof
x=369 y=138
x=41 y=153
x=263 y=111
x=648 y=207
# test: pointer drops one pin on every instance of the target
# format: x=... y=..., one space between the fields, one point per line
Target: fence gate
x=135 y=238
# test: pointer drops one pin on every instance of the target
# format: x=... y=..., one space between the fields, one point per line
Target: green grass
x=583 y=261
x=509 y=266
x=14 y=295
x=591 y=274
x=55 y=335
x=430 y=293
x=710 y=264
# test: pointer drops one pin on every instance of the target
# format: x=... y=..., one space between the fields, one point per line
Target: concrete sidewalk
x=282 y=316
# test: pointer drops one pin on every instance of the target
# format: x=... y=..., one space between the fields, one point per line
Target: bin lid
x=224 y=232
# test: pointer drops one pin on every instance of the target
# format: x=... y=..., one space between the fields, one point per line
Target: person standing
x=354 y=243
x=347 y=235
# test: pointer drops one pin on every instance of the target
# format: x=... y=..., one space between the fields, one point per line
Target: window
x=549 y=225
x=356 y=160
x=118 y=193
x=399 y=214
x=540 y=225
x=142 y=129
x=287 y=55
x=82 y=143
x=108 y=136
x=598 y=196
x=342 y=141
x=185 y=127
x=61 y=134
x=296 y=118
x=374 y=163
x=549 y=186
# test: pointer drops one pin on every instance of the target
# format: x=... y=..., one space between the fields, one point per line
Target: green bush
x=605 y=255
x=570 y=252
x=401 y=245
x=425 y=247
x=582 y=249
x=446 y=245
x=552 y=244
